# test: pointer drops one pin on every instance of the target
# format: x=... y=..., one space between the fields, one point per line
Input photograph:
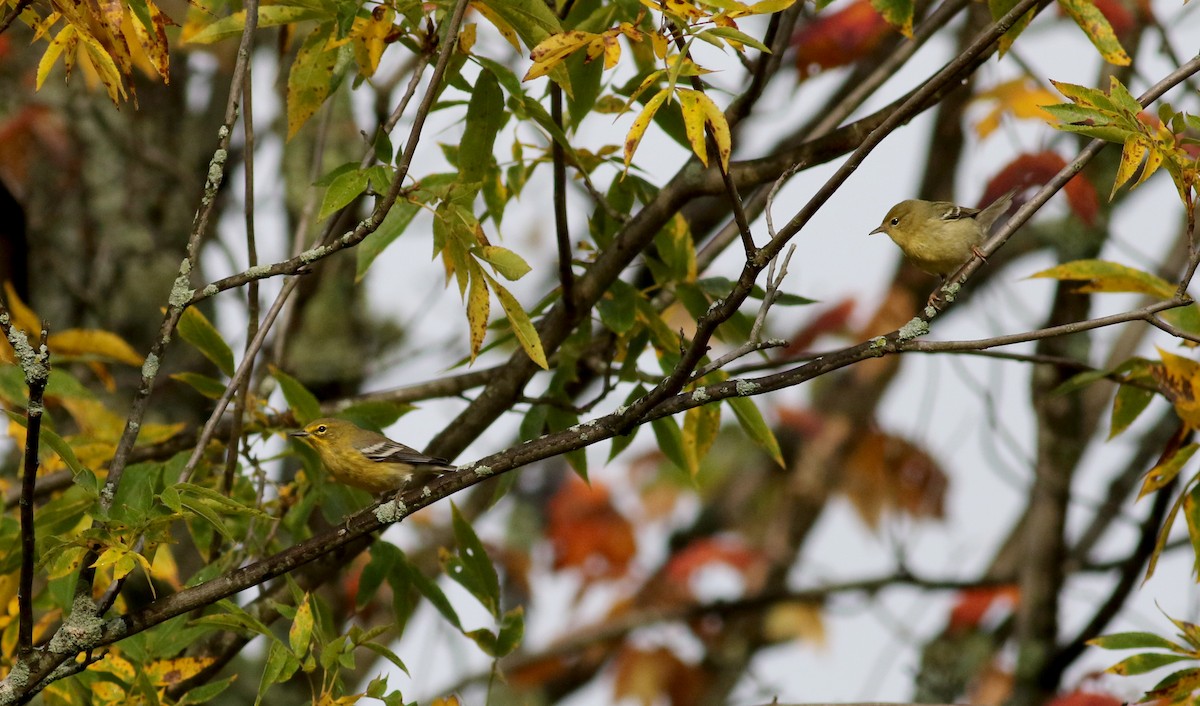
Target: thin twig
x=562 y=229
x=13 y=14
x=35 y=364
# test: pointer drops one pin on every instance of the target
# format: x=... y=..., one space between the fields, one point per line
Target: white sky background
x=938 y=402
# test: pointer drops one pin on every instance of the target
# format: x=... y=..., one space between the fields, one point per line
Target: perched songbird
x=367 y=460
x=938 y=236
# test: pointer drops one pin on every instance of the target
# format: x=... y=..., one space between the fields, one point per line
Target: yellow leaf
x=1097 y=28
x=369 y=37
x=1154 y=160
x=310 y=79
x=466 y=38
x=520 y=323
x=164 y=568
x=1104 y=276
x=794 y=621
x=1179 y=381
x=1131 y=158
x=638 y=130
x=693 y=122
x=106 y=69
x=660 y=44
x=94 y=419
x=720 y=130
x=551 y=51
x=1020 y=98
x=64 y=41
x=21 y=315
x=93 y=342
x=300 y=634
x=478 y=309
x=153 y=39
x=168 y=672
x=506 y=30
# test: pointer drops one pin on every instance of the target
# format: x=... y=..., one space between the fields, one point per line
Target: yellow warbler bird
x=938 y=236
x=366 y=459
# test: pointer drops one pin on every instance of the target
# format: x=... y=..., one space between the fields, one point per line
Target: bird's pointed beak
x=877 y=230
x=299 y=433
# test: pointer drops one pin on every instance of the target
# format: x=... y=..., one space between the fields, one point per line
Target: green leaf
x=743 y=38
x=585 y=83
x=206 y=693
x=432 y=592
x=209 y=387
x=1145 y=662
x=303 y=403
x=195 y=328
x=281 y=665
x=512 y=631
x=532 y=20
x=756 y=427
x=1000 y=8
x=1191 y=513
x=344 y=189
x=1128 y=404
x=485 y=117
x=700 y=427
x=670 y=442
x=201 y=509
x=471 y=567
x=898 y=13
x=510 y=265
x=386 y=654
x=376 y=414
x=393 y=226
x=1132 y=641
x=384 y=151
x=618 y=307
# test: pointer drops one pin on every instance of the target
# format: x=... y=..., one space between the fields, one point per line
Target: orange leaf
x=887 y=472
x=838 y=38
x=646 y=675
x=587 y=532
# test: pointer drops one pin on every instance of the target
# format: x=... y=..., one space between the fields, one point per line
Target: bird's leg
x=937 y=293
x=978 y=253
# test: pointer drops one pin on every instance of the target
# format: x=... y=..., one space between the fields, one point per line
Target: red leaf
x=1085 y=698
x=974 y=604
x=838 y=38
x=832 y=320
x=731 y=551
x=1035 y=170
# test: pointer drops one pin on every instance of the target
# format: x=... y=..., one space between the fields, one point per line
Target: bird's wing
x=954 y=212
x=389 y=451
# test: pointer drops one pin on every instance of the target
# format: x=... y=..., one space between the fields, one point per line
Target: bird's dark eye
x=322 y=429
x=895 y=221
